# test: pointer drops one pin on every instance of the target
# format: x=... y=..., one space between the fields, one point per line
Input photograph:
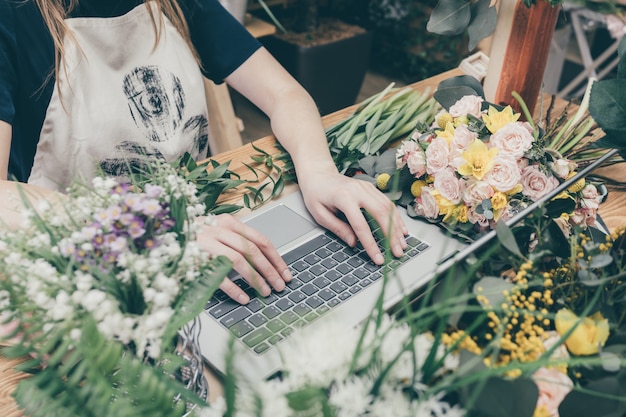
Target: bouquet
x=477 y=164
x=98 y=288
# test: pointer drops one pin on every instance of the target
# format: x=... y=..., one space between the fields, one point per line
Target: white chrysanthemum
x=216 y=409
x=309 y=357
x=351 y=397
x=391 y=402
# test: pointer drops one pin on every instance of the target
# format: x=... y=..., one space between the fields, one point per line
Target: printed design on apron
x=156 y=101
x=122 y=102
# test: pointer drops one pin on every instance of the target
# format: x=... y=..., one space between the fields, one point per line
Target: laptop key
x=422 y=246
x=287 y=331
x=224 y=308
x=370 y=266
x=344 y=269
x=276 y=326
x=323 y=309
x=300 y=266
x=257 y=320
x=284 y=304
x=296 y=296
x=335 y=246
x=317 y=270
x=275 y=339
x=314 y=301
x=309 y=289
x=235 y=316
x=412 y=241
x=326 y=294
x=261 y=348
x=361 y=273
x=256 y=337
x=333 y=302
x=302 y=309
x=241 y=329
x=344 y=295
x=271 y=312
x=312 y=259
x=339 y=287
x=294 y=284
x=340 y=256
x=333 y=275
x=311 y=316
x=289 y=317
x=300 y=323
x=306 y=276
x=323 y=253
x=321 y=282
x=211 y=303
x=355 y=289
x=329 y=263
x=255 y=305
x=355 y=262
x=306 y=249
x=364 y=283
x=269 y=299
x=349 y=280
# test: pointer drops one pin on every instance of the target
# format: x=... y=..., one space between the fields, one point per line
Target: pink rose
x=437 y=155
x=536 y=184
x=562 y=167
x=467 y=105
x=512 y=139
x=476 y=218
x=476 y=192
x=404 y=151
x=461 y=140
x=553 y=387
x=590 y=192
x=585 y=216
x=505 y=174
x=448 y=185
x=417 y=163
x=427 y=204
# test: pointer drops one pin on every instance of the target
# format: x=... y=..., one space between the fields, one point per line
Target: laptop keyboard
x=326 y=273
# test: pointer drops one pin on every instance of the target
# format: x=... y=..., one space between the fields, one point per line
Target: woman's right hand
x=253 y=256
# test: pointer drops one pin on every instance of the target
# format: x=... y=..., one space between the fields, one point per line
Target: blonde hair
x=54 y=14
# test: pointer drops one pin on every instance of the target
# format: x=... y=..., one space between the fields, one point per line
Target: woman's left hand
x=327 y=193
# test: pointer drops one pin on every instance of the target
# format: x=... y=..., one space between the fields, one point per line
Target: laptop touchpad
x=281 y=225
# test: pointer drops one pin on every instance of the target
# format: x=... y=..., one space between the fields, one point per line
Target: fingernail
x=243 y=299
x=287 y=276
x=399 y=249
x=379 y=259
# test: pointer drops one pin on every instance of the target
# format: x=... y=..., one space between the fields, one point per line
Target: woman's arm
x=5 y=148
x=297 y=125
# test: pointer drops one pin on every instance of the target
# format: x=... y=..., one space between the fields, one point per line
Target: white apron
x=121 y=100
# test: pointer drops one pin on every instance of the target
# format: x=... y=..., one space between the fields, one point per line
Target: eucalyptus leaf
x=610 y=361
x=601 y=260
x=585 y=404
x=493 y=289
x=482 y=23
x=501 y=397
x=450 y=17
x=607 y=104
x=621 y=66
x=506 y=237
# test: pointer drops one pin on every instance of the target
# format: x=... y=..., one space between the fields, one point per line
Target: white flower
x=536 y=184
x=553 y=386
x=437 y=155
x=512 y=139
x=427 y=205
x=505 y=175
x=351 y=396
x=448 y=185
x=562 y=167
x=467 y=105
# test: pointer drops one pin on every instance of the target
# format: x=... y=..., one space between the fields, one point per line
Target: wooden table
x=612 y=212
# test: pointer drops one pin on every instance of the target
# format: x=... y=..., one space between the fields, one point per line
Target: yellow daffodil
x=578 y=185
x=478 y=159
x=494 y=119
x=447 y=133
x=382 y=181
x=443 y=119
x=499 y=200
x=590 y=333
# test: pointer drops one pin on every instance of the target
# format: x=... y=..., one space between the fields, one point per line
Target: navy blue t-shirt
x=27 y=60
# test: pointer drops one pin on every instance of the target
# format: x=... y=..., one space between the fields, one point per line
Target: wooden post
x=519 y=52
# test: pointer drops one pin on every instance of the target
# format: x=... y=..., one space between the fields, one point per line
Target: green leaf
x=447 y=96
x=507 y=238
x=621 y=66
x=591 y=402
x=483 y=22
x=450 y=17
x=607 y=104
x=500 y=397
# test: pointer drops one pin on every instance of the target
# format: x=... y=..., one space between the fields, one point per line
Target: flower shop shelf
x=239 y=158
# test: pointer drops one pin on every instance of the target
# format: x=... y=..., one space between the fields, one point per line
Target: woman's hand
x=327 y=193
x=253 y=256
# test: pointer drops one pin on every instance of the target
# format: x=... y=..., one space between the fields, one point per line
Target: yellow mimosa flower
x=590 y=333
x=494 y=119
x=478 y=158
x=416 y=188
x=382 y=181
x=447 y=133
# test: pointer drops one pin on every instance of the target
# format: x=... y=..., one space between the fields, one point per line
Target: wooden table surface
x=612 y=211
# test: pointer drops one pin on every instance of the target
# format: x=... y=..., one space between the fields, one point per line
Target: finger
x=394 y=229
x=234 y=292
x=242 y=266
x=335 y=225
x=364 y=234
x=258 y=251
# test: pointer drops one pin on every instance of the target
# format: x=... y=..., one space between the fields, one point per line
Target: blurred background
x=344 y=51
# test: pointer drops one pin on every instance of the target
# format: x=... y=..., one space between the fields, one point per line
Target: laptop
x=331 y=281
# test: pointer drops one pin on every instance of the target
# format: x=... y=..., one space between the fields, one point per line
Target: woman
x=103 y=84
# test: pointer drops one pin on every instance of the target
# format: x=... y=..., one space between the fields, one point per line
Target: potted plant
x=328 y=56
